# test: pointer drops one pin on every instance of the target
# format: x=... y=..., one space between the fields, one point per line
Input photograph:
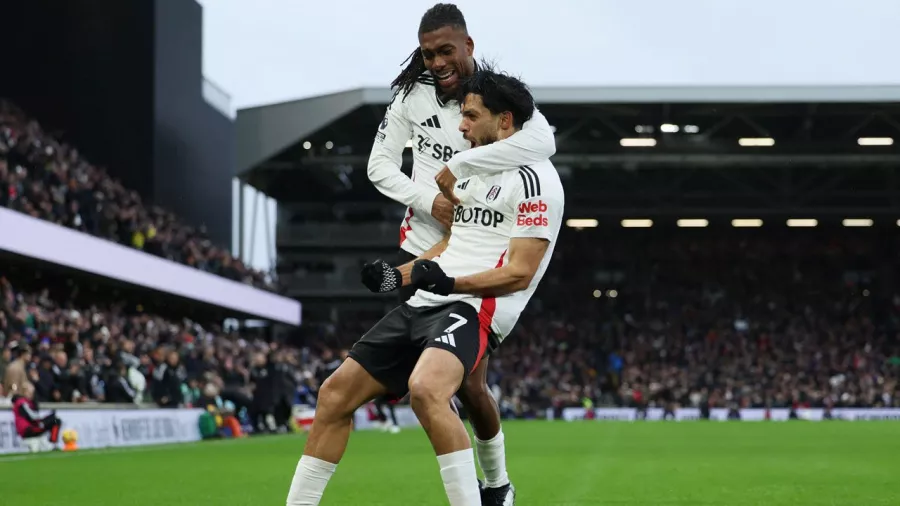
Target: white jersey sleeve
x=539 y=212
x=534 y=143
x=386 y=160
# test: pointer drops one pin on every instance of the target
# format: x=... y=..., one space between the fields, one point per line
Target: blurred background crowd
x=50 y=180
x=740 y=318
x=717 y=317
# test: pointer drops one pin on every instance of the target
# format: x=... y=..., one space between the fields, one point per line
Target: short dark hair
x=442 y=15
x=435 y=18
x=500 y=92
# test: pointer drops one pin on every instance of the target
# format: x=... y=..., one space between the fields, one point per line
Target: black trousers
x=49 y=424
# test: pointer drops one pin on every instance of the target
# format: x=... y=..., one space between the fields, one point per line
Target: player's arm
x=380 y=277
x=536 y=220
x=386 y=160
x=525 y=256
x=534 y=143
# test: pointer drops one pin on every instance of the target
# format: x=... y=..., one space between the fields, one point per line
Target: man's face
x=447 y=52
x=478 y=125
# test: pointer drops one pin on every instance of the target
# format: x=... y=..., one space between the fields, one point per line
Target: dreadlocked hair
x=435 y=18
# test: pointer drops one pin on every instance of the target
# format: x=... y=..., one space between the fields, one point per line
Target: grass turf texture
x=555 y=463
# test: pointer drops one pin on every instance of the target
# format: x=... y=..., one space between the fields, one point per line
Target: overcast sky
x=268 y=51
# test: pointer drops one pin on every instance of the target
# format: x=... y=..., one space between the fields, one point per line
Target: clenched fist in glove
x=427 y=275
x=379 y=277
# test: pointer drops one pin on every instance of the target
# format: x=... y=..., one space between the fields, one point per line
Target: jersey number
x=460 y=321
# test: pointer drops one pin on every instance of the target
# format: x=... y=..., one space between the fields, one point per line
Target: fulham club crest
x=492 y=195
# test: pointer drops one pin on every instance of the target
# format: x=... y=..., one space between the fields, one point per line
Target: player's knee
x=424 y=394
x=332 y=399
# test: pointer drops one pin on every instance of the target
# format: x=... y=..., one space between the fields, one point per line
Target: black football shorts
x=389 y=350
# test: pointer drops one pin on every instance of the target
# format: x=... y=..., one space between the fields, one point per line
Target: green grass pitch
x=551 y=463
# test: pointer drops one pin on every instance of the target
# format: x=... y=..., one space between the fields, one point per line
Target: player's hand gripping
x=427 y=275
x=379 y=277
x=442 y=210
x=446 y=181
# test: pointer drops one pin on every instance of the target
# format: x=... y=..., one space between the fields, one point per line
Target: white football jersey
x=494 y=209
x=433 y=128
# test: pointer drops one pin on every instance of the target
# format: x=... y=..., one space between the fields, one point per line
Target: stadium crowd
x=758 y=319
x=705 y=320
x=105 y=354
x=46 y=179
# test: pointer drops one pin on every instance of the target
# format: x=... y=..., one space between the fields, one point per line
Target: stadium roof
x=266 y=130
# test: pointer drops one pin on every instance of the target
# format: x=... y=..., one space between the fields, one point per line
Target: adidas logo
x=446 y=339
x=432 y=122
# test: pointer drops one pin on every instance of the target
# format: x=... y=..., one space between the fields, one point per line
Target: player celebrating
x=423 y=109
x=472 y=287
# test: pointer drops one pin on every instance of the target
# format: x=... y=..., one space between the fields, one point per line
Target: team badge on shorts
x=492 y=195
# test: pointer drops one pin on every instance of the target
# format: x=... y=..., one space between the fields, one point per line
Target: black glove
x=428 y=275
x=379 y=277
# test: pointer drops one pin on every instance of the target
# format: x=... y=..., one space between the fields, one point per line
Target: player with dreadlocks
x=425 y=111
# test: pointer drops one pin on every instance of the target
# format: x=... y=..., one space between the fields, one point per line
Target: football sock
x=309 y=481
x=492 y=459
x=460 y=479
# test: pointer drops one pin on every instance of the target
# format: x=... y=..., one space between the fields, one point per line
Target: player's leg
x=393 y=412
x=484 y=415
x=380 y=417
x=433 y=383
x=452 y=349
x=377 y=361
x=342 y=393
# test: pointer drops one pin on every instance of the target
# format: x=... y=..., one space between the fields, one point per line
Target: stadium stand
x=725 y=318
x=654 y=318
x=47 y=179
x=761 y=321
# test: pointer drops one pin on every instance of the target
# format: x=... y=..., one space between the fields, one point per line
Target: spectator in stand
x=118 y=386
x=16 y=375
x=5 y=359
x=167 y=381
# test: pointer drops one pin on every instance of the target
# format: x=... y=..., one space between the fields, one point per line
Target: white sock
x=460 y=478
x=492 y=459
x=309 y=481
